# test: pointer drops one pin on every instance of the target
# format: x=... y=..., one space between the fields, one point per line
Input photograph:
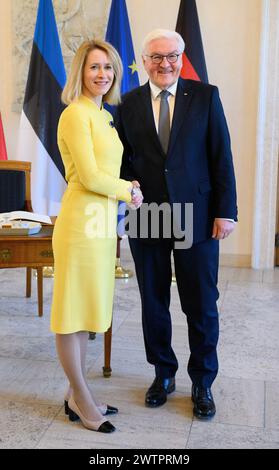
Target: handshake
x=137 y=196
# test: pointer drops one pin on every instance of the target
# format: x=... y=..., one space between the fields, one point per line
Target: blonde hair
x=166 y=34
x=74 y=84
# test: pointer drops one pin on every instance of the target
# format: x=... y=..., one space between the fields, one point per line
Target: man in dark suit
x=179 y=152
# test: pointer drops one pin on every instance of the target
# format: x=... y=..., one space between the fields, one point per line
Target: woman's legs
x=71 y=351
x=83 y=342
x=83 y=339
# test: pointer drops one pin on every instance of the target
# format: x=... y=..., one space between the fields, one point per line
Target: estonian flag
x=119 y=35
x=188 y=27
x=41 y=111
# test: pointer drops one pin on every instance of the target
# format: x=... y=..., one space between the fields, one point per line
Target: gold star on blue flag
x=133 y=67
x=119 y=35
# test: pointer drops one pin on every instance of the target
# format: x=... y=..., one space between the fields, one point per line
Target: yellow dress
x=84 y=238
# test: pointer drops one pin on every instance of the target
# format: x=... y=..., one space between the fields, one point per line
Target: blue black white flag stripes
x=41 y=111
x=119 y=35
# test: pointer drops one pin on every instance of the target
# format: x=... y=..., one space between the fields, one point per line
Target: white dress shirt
x=156 y=100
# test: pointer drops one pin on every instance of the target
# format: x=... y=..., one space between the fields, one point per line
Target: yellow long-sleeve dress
x=84 y=238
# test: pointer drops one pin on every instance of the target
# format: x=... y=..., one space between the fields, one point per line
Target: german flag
x=188 y=27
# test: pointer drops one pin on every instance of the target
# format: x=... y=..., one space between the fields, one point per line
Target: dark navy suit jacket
x=198 y=167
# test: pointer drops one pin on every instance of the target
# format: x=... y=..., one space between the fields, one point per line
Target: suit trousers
x=196 y=271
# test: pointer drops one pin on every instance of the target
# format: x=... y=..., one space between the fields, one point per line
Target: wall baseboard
x=235 y=261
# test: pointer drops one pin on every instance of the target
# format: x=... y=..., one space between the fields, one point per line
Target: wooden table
x=30 y=251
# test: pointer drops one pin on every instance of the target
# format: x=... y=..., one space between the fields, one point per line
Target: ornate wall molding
x=266 y=184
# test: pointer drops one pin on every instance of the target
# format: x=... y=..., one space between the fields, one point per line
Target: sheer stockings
x=71 y=350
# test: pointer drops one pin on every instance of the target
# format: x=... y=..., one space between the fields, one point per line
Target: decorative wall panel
x=76 y=20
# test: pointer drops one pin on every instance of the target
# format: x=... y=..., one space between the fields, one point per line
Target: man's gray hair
x=166 y=34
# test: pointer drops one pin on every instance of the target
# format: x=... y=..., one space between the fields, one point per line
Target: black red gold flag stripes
x=194 y=66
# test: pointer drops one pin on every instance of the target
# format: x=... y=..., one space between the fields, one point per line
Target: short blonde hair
x=74 y=84
x=166 y=34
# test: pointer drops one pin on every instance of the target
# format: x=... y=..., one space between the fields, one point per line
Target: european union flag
x=119 y=35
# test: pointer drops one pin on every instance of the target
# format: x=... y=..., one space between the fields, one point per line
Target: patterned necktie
x=164 y=121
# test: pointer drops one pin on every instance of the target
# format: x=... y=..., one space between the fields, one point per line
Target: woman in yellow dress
x=84 y=238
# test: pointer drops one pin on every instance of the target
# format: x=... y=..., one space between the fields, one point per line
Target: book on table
x=22 y=223
x=24 y=215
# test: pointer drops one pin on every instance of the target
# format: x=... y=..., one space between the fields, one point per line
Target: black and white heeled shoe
x=101 y=425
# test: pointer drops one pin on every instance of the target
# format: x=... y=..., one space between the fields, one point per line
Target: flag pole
x=120 y=272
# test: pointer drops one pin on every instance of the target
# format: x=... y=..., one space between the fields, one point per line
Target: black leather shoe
x=204 y=406
x=111 y=410
x=156 y=395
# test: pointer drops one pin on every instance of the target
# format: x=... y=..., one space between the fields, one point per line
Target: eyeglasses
x=158 y=58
